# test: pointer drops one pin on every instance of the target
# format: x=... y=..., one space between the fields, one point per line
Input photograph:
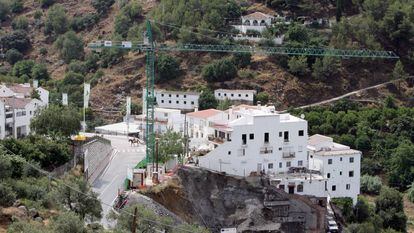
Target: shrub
x=324 y=68
x=91 y=62
x=168 y=68
x=370 y=184
x=43 y=51
x=298 y=65
x=220 y=70
x=23 y=67
x=4 y=9
x=38 y=15
x=242 y=59
x=84 y=22
x=70 y=46
x=47 y=3
x=16 y=40
x=7 y=196
x=72 y=78
x=389 y=206
x=207 y=100
x=39 y=72
x=110 y=57
x=102 y=6
x=20 y=23
x=13 y=56
x=77 y=66
x=56 y=20
x=263 y=97
x=17 y=6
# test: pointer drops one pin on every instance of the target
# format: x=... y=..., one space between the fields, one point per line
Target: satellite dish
x=302 y=116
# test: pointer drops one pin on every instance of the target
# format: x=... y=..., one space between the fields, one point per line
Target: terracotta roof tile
x=15 y=102
x=203 y=114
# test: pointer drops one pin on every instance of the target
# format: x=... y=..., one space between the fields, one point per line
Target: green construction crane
x=149 y=47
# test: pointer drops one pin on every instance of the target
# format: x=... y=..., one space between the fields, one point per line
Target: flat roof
x=203 y=114
x=236 y=90
x=121 y=128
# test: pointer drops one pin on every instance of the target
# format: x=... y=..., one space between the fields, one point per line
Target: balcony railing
x=266 y=150
x=288 y=154
x=216 y=139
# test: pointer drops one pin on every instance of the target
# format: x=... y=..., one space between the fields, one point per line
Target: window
x=162 y=101
x=288 y=164
x=351 y=160
x=244 y=152
x=162 y=95
x=270 y=166
x=333 y=187
x=165 y=114
x=244 y=139
x=177 y=96
x=328 y=175
x=348 y=186
x=340 y=159
x=300 y=163
x=219 y=94
x=280 y=165
x=251 y=136
x=299 y=188
x=280 y=134
x=329 y=161
x=351 y=173
x=225 y=94
x=301 y=132
x=192 y=102
x=185 y=96
x=340 y=173
x=229 y=153
x=232 y=95
x=247 y=95
x=300 y=148
x=266 y=137
x=177 y=102
x=282 y=187
x=239 y=95
x=185 y=102
x=286 y=136
x=169 y=101
x=169 y=95
x=280 y=148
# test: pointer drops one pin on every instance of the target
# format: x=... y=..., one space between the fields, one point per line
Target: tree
x=56 y=20
x=17 y=6
x=401 y=162
x=4 y=9
x=170 y=144
x=13 y=56
x=77 y=66
x=224 y=104
x=70 y=46
x=68 y=222
x=39 y=72
x=297 y=34
x=7 y=196
x=362 y=210
x=298 y=65
x=324 y=68
x=16 y=40
x=207 y=100
x=399 y=72
x=389 y=206
x=84 y=203
x=263 y=97
x=219 y=71
x=168 y=68
x=370 y=184
x=56 y=121
x=23 y=226
x=22 y=68
x=20 y=23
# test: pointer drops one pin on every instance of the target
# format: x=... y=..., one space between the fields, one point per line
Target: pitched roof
x=23 y=89
x=203 y=114
x=258 y=15
x=15 y=102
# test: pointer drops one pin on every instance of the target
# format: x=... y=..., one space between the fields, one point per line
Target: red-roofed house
x=24 y=91
x=200 y=122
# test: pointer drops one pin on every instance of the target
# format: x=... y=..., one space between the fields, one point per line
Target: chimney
x=259 y=104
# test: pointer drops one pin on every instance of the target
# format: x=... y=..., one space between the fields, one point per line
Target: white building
x=339 y=164
x=186 y=101
x=244 y=96
x=16 y=114
x=24 y=91
x=258 y=140
x=164 y=119
x=256 y=21
x=199 y=126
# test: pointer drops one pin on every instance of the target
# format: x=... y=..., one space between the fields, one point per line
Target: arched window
x=255 y=23
x=262 y=23
x=300 y=188
x=247 y=23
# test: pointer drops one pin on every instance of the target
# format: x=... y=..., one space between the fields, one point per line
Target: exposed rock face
x=216 y=200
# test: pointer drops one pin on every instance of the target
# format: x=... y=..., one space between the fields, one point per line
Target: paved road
x=107 y=185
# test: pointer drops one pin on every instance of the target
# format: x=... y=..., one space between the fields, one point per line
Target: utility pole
x=134 y=221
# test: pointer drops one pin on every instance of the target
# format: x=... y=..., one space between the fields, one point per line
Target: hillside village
x=206 y=116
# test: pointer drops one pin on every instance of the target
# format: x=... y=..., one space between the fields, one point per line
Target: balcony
x=216 y=140
x=288 y=154
x=266 y=150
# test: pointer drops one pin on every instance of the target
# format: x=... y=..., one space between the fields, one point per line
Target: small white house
x=164 y=119
x=16 y=114
x=243 y=96
x=186 y=101
x=256 y=21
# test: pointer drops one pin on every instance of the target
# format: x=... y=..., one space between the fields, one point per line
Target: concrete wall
x=97 y=154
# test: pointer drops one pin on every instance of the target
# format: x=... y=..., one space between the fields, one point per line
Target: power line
x=50 y=176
